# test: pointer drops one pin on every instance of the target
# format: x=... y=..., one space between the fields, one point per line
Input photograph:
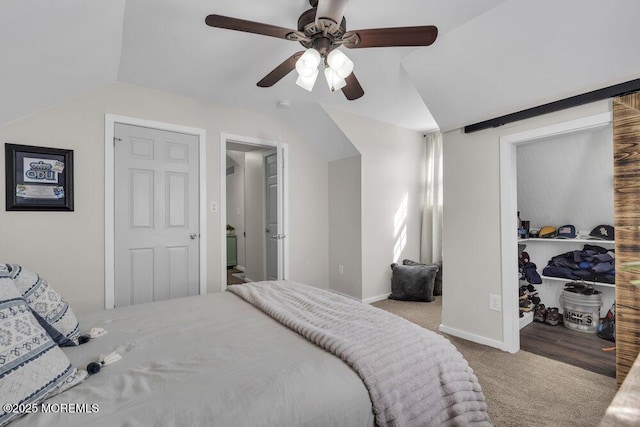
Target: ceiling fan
x=321 y=30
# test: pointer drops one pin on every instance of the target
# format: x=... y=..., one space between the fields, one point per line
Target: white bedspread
x=415 y=377
x=211 y=360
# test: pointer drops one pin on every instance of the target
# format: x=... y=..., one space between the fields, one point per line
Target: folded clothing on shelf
x=592 y=263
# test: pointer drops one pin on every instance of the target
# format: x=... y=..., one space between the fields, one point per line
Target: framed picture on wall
x=38 y=178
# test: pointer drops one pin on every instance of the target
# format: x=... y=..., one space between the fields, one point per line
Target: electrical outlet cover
x=495 y=302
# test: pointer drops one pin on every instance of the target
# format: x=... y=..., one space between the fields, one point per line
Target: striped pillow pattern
x=51 y=310
x=32 y=366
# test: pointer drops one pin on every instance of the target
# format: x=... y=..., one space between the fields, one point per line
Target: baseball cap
x=547 y=231
x=566 y=232
x=602 y=232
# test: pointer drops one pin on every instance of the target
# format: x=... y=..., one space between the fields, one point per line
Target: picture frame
x=38 y=178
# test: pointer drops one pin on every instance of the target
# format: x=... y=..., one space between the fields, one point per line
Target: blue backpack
x=607 y=325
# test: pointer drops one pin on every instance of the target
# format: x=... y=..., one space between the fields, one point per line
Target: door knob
x=193 y=236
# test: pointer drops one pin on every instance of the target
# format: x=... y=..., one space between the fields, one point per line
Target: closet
x=566 y=180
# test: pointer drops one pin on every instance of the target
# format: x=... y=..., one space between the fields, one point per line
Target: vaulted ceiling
x=491 y=57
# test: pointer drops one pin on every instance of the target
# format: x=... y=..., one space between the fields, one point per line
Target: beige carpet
x=522 y=389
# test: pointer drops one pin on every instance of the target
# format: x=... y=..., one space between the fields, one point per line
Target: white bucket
x=581 y=312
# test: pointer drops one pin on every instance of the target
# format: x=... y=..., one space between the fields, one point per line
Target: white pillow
x=32 y=366
x=51 y=310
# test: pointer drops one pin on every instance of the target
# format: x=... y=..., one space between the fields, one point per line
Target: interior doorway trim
x=283 y=199
x=110 y=121
x=509 y=207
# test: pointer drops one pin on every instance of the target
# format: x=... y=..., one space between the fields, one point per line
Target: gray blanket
x=414 y=376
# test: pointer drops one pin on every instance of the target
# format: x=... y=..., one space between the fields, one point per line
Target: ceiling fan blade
x=332 y=9
x=236 y=24
x=352 y=90
x=387 y=37
x=280 y=71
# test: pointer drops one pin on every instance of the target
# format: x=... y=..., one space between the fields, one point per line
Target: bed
x=228 y=359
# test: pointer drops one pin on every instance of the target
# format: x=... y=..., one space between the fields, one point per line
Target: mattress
x=210 y=360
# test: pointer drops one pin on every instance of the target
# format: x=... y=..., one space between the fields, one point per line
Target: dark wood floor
x=231 y=279
x=580 y=349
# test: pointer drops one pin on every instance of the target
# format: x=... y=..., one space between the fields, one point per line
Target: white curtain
x=431 y=233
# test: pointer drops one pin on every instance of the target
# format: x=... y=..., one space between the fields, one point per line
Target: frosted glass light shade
x=342 y=65
x=307 y=82
x=334 y=81
x=308 y=62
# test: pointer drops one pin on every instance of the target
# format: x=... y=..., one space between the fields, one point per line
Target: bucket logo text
x=578 y=317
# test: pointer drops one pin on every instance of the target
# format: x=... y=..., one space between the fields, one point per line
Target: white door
x=271 y=211
x=156 y=214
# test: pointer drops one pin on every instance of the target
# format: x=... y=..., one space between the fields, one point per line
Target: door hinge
x=115 y=138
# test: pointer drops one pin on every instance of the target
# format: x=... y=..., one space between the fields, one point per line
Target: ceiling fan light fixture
x=334 y=81
x=340 y=63
x=307 y=64
x=323 y=31
x=307 y=82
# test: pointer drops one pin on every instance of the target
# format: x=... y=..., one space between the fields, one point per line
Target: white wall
x=471 y=235
x=67 y=248
x=567 y=179
x=391 y=195
x=345 y=226
x=308 y=219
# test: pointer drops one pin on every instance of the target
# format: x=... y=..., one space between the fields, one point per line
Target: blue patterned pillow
x=51 y=310
x=32 y=366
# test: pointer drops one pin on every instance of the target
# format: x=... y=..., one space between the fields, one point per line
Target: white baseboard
x=343 y=294
x=376 y=299
x=472 y=337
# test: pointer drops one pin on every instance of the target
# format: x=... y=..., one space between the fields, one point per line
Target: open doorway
x=253 y=210
x=544 y=173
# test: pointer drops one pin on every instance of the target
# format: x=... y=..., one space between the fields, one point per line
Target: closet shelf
x=526 y=319
x=576 y=240
x=563 y=279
